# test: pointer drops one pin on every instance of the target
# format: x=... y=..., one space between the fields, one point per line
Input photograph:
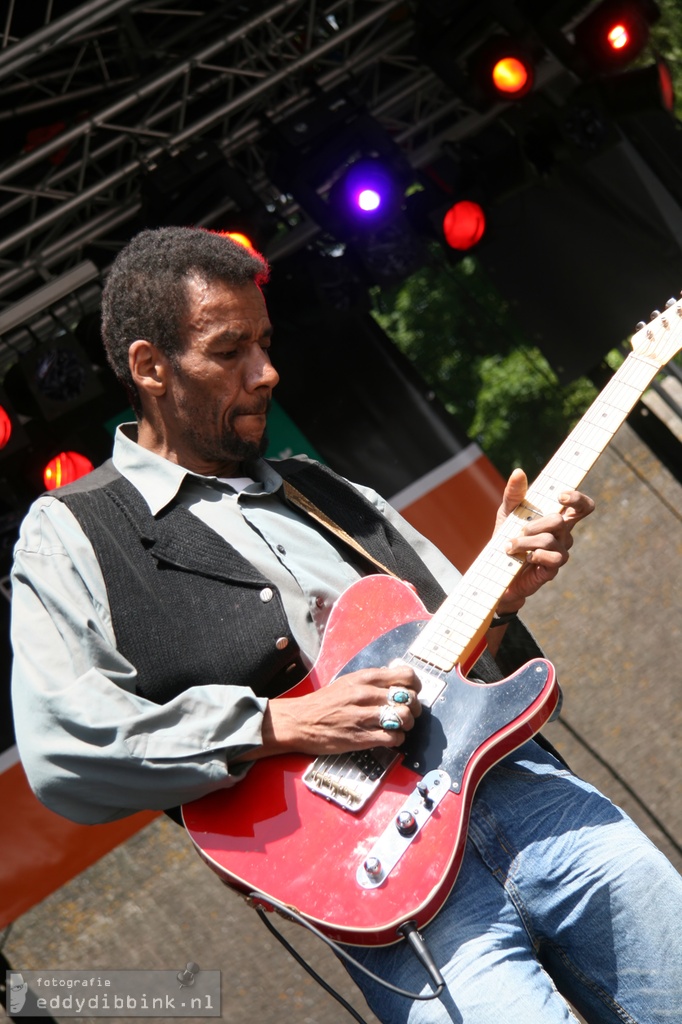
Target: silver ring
x=389 y=720
x=398 y=695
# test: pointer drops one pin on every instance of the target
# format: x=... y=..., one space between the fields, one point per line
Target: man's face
x=220 y=384
x=17 y=992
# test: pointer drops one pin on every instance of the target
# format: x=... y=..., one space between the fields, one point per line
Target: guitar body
x=273 y=834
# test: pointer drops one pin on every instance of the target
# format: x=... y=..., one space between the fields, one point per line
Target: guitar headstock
x=661 y=338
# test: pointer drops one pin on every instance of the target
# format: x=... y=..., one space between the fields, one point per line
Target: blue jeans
x=559 y=893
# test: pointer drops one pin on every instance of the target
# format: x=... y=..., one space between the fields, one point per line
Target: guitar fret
x=579 y=452
x=448 y=633
x=500 y=563
x=577 y=462
x=456 y=641
x=544 y=493
x=489 y=581
x=459 y=626
x=488 y=587
x=592 y=435
x=620 y=390
x=455 y=627
x=610 y=417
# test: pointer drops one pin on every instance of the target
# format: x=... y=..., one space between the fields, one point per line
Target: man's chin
x=246 y=451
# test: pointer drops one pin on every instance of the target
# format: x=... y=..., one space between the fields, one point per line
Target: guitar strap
x=294 y=497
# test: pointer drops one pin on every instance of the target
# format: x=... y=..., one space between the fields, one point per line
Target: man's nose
x=262 y=373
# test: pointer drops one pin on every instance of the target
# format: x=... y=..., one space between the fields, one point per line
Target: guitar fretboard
x=458 y=626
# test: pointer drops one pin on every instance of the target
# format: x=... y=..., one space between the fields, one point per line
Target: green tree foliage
x=461 y=337
x=522 y=412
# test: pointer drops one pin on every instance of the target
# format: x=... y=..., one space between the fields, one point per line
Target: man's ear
x=149 y=368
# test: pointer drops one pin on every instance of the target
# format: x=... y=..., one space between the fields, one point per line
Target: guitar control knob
x=406 y=823
x=423 y=791
x=373 y=868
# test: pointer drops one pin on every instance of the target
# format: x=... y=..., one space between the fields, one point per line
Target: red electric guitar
x=360 y=843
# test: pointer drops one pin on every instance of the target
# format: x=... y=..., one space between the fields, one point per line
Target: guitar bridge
x=349 y=780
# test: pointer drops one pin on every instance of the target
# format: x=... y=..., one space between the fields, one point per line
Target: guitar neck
x=456 y=630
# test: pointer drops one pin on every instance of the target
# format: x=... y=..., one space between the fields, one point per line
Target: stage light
x=13 y=437
x=366 y=194
x=5 y=428
x=510 y=76
x=615 y=33
x=464 y=225
x=618 y=37
x=368 y=199
x=502 y=69
x=65 y=468
x=241 y=239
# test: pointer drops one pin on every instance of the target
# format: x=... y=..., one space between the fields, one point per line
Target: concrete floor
x=612 y=624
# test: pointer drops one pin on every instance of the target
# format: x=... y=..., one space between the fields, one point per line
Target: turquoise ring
x=389 y=720
x=399 y=696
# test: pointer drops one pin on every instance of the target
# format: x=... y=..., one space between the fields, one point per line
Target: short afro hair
x=146 y=294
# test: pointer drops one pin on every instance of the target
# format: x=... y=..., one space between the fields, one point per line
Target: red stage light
x=510 y=76
x=464 y=225
x=241 y=239
x=618 y=37
x=616 y=32
x=502 y=69
x=5 y=427
x=65 y=468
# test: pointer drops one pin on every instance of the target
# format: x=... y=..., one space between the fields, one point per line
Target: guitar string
x=579 y=452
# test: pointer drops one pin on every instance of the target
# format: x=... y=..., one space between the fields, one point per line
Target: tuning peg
x=670 y=302
x=640 y=326
x=654 y=314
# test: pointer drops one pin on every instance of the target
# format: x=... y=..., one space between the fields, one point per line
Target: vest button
x=282 y=643
x=282 y=550
x=266 y=594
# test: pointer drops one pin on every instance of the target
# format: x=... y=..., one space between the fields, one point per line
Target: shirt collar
x=159 y=480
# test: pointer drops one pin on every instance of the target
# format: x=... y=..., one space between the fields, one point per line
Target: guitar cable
x=409 y=931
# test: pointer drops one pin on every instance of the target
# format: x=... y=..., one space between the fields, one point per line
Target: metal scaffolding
x=106 y=91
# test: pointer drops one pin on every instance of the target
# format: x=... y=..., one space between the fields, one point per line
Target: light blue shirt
x=93 y=749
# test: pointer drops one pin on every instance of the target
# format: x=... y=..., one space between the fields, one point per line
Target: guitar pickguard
x=457 y=716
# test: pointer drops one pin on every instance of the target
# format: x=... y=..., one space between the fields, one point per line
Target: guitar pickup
x=349 y=780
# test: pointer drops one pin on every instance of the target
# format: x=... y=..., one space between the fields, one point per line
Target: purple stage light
x=367 y=192
x=368 y=199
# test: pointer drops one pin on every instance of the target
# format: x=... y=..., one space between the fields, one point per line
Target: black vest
x=187 y=608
